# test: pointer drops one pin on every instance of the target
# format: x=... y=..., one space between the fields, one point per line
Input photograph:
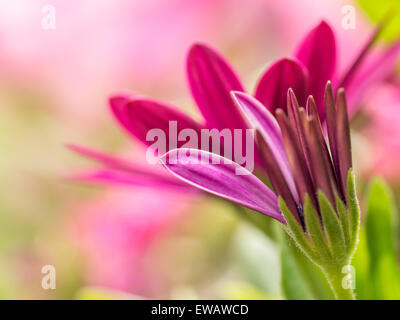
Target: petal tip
x=279 y=112
x=198 y=48
x=238 y=95
x=115 y=101
x=341 y=92
x=291 y=93
x=76 y=148
x=324 y=24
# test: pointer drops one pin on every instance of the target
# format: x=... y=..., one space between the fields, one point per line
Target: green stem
x=335 y=278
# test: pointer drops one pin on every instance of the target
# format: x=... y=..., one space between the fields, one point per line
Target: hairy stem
x=337 y=281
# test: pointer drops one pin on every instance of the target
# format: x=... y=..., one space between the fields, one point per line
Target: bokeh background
x=132 y=242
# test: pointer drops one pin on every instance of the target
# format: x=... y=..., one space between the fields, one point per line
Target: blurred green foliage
x=257 y=256
x=99 y=293
x=378 y=10
x=376 y=261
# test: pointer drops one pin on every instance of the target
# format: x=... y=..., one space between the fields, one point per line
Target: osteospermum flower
x=313 y=188
x=211 y=79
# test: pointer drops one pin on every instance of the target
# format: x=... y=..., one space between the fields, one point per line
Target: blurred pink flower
x=117 y=233
x=382 y=134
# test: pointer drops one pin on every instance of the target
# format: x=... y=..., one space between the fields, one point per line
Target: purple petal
x=296 y=119
x=321 y=167
x=275 y=175
x=143 y=115
x=261 y=119
x=330 y=112
x=343 y=137
x=211 y=80
x=298 y=163
x=219 y=176
x=318 y=54
x=273 y=86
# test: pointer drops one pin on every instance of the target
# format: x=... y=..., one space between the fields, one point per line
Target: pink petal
x=346 y=78
x=273 y=86
x=110 y=176
x=143 y=115
x=211 y=79
x=126 y=169
x=263 y=121
x=118 y=107
x=375 y=70
x=318 y=54
x=219 y=176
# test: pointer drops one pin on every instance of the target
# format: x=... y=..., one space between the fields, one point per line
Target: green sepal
x=353 y=212
x=295 y=230
x=330 y=234
x=344 y=219
x=316 y=232
x=333 y=229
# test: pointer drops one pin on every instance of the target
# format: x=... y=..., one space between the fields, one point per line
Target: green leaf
x=386 y=278
x=333 y=230
x=361 y=263
x=344 y=219
x=380 y=220
x=377 y=10
x=380 y=228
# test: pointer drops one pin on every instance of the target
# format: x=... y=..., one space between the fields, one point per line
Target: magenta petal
x=219 y=176
x=118 y=107
x=374 y=70
x=318 y=54
x=274 y=84
x=126 y=168
x=364 y=52
x=105 y=159
x=211 y=79
x=144 y=115
x=262 y=120
x=110 y=176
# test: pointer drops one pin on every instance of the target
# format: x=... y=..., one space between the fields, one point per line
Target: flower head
x=313 y=190
x=297 y=159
